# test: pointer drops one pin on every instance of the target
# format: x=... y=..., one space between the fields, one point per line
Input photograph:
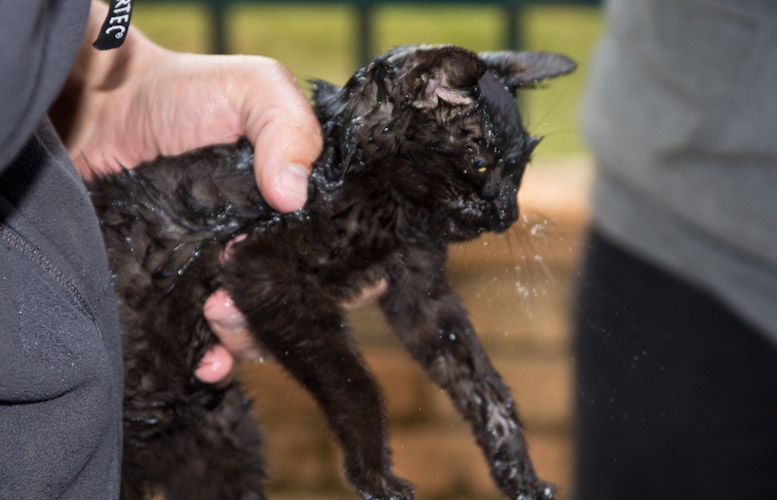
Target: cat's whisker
x=549 y=110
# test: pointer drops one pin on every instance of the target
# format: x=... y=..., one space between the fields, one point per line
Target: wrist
x=100 y=84
x=108 y=69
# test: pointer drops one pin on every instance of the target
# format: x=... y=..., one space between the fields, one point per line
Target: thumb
x=287 y=139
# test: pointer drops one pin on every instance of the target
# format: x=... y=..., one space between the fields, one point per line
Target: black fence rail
x=365 y=14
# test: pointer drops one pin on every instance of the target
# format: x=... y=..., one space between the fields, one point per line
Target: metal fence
x=365 y=16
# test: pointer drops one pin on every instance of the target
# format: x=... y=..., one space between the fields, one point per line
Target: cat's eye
x=479 y=166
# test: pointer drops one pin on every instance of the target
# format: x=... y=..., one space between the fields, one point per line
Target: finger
x=230 y=326
x=286 y=136
x=217 y=366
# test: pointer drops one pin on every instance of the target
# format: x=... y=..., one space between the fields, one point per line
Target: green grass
x=316 y=41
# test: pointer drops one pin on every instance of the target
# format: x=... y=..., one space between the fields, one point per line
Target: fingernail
x=232 y=323
x=294 y=178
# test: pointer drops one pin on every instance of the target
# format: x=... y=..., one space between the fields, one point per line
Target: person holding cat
x=60 y=360
x=676 y=347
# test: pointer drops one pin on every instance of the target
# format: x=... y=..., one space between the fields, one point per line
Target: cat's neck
x=362 y=207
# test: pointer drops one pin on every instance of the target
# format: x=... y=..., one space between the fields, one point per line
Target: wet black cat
x=423 y=147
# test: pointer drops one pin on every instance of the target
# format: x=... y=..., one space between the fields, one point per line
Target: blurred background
x=517 y=286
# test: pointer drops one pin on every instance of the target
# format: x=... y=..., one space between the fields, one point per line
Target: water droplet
x=522 y=290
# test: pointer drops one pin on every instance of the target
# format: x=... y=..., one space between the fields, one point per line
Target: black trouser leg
x=676 y=396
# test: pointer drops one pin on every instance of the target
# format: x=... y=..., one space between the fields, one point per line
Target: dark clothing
x=677 y=327
x=60 y=356
x=677 y=396
x=39 y=40
x=680 y=114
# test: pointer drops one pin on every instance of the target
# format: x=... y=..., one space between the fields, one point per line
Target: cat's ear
x=522 y=69
x=444 y=73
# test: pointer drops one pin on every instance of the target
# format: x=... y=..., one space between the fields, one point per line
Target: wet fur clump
x=422 y=147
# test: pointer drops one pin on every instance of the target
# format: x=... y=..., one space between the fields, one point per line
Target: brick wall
x=518 y=288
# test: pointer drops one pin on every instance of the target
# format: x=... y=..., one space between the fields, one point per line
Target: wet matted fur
x=422 y=147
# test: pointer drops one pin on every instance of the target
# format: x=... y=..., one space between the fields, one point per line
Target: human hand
x=123 y=107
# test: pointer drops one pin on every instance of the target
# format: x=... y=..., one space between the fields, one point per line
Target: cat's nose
x=506 y=216
x=489 y=192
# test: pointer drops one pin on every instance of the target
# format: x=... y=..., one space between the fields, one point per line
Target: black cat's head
x=439 y=127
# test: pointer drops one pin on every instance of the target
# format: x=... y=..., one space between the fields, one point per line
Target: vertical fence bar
x=513 y=35
x=364 y=34
x=218 y=26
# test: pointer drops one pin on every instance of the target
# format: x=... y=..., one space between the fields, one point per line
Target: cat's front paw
x=516 y=478
x=538 y=491
x=387 y=487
